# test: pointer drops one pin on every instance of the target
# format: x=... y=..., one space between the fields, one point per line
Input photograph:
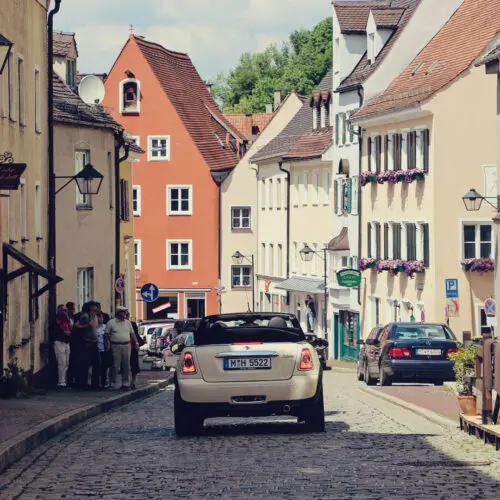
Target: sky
x=213 y=32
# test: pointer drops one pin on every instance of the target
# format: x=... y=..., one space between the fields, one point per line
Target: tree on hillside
x=297 y=66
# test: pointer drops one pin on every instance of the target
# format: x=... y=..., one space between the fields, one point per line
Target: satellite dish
x=91 y=89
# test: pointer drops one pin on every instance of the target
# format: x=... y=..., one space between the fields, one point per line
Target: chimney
x=277 y=99
x=269 y=108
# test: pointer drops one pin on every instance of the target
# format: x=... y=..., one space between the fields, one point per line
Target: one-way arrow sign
x=150 y=292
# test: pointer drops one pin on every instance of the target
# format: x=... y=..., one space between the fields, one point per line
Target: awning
x=341 y=242
x=301 y=284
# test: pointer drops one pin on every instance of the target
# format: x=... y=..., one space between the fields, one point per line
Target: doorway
x=195 y=305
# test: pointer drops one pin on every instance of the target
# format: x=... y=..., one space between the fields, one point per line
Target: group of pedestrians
x=89 y=344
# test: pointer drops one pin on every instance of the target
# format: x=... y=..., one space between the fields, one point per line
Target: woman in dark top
x=134 y=354
x=61 y=343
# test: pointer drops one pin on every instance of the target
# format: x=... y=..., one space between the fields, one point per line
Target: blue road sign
x=150 y=292
x=452 y=289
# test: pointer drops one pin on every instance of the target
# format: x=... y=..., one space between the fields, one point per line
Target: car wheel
x=185 y=423
x=369 y=380
x=360 y=374
x=315 y=418
x=385 y=380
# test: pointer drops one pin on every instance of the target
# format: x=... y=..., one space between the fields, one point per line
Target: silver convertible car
x=246 y=365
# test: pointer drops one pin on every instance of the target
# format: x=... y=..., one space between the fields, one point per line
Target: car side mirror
x=371 y=342
x=311 y=338
x=177 y=348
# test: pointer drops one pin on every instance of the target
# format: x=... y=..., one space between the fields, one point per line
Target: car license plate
x=428 y=352
x=247 y=363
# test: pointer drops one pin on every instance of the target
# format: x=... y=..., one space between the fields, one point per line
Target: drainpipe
x=119 y=143
x=219 y=257
x=287 y=172
x=360 y=206
x=51 y=220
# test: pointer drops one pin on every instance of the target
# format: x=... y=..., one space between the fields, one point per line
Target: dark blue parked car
x=412 y=352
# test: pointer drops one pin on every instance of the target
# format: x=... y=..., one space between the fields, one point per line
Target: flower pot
x=467 y=404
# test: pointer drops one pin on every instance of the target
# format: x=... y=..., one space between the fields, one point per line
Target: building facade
x=24 y=141
x=158 y=96
x=417 y=232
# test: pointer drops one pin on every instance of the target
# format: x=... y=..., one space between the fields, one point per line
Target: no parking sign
x=490 y=307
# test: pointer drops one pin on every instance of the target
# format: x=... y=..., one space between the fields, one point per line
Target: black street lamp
x=473 y=201
x=88 y=180
x=5 y=48
x=306 y=255
x=238 y=259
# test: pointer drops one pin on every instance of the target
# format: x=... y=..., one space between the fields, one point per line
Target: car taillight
x=451 y=351
x=188 y=366
x=400 y=352
x=306 y=361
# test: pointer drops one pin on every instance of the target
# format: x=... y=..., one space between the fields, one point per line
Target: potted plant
x=465 y=371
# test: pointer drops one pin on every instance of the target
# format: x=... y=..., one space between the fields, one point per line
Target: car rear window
x=436 y=332
x=254 y=328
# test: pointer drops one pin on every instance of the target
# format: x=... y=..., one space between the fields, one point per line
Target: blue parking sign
x=452 y=289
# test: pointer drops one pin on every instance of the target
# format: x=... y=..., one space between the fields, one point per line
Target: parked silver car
x=170 y=359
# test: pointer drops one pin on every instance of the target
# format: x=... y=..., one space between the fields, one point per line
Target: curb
x=15 y=448
x=433 y=417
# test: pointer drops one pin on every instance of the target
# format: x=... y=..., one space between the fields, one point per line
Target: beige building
x=86 y=224
x=430 y=137
x=23 y=140
x=241 y=219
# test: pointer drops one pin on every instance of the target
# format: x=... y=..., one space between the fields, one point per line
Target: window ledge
x=241 y=229
x=84 y=208
x=180 y=214
x=241 y=287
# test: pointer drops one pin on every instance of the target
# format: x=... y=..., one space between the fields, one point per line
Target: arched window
x=130 y=96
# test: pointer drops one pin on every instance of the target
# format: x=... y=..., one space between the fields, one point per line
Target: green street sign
x=350 y=278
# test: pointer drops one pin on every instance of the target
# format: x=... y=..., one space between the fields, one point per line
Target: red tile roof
x=491 y=54
x=353 y=16
x=387 y=18
x=245 y=123
x=364 y=68
x=194 y=104
x=451 y=52
x=63 y=43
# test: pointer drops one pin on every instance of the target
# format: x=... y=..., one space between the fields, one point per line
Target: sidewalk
x=26 y=423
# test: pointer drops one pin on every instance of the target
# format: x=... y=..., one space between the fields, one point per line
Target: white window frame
x=38 y=108
x=373 y=249
x=341 y=179
x=315 y=186
x=84 y=285
x=179 y=187
x=83 y=201
x=120 y=97
x=38 y=211
x=327 y=181
x=180 y=267
x=241 y=268
x=305 y=187
x=138 y=254
x=477 y=223
x=137 y=194
x=232 y=217
x=315 y=117
x=152 y=138
x=323 y=116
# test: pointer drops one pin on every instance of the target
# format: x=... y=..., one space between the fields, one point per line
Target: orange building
x=159 y=97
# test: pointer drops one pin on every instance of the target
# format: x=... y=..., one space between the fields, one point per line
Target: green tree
x=298 y=65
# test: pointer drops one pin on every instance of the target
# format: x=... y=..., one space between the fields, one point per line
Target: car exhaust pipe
x=286 y=408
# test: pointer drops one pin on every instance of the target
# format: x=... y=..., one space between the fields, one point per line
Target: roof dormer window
x=371 y=47
x=315 y=117
x=130 y=96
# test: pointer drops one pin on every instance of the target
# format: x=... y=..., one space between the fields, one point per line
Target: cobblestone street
x=372 y=449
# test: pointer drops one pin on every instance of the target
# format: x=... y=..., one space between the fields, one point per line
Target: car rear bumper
x=419 y=369
x=296 y=388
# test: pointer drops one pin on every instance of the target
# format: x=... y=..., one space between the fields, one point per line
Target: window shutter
x=386 y=240
x=378 y=240
x=349 y=195
x=122 y=201
x=344 y=128
x=351 y=132
x=425 y=230
x=425 y=138
x=378 y=153
x=337 y=135
x=413 y=152
x=386 y=153
x=369 y=154
x=398 y=139
x=336 y=197
x=396 y=241
x=369 y=238
x=414 y=241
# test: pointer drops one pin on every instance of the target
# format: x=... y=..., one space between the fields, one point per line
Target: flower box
x=415 y=174
x=367 y=178
x=368 y=263
x=410 y=267
x=478 y=265
x=413 y=267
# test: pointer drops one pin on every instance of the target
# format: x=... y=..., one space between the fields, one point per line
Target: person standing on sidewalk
x=61 y=344
x=120 y=333
x=105 y=357
x=134 y=353
x=89 y=324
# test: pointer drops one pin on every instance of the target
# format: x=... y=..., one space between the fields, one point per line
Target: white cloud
x=213 y=32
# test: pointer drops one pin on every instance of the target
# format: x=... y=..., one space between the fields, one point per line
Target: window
x=375 y=154
x=24 y=212
x=240 y=217
x=279 y=201
x=411 y=150
x=263 y=194
x=136 y=200
x=82 y=158
x=38 y=211
x=179 y=200
x=279 y=263
x=396 y=241
x=20 y=90
x=12 y=86
x=124 y=201
x=241 y=276
x=271 y=260
x=478 y=241
x=422 y=146
x=323 y=116
x=404 y=151
x=397 y=142
x=296 y=187
x=374 y=240
x=71 y=73
x=137 y=254
x=422 y=244
x=315 y=186
x=38 y=118
x=158 y=148
x=305 y=187
x=263 y=258
x=326 y=186
x=85 y=285
x=179 y=254
x=270 y=200
x=130 y=96
x=315 y=117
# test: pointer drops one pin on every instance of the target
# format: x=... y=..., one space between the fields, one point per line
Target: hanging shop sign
x=10 y=172
x=350 y=278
